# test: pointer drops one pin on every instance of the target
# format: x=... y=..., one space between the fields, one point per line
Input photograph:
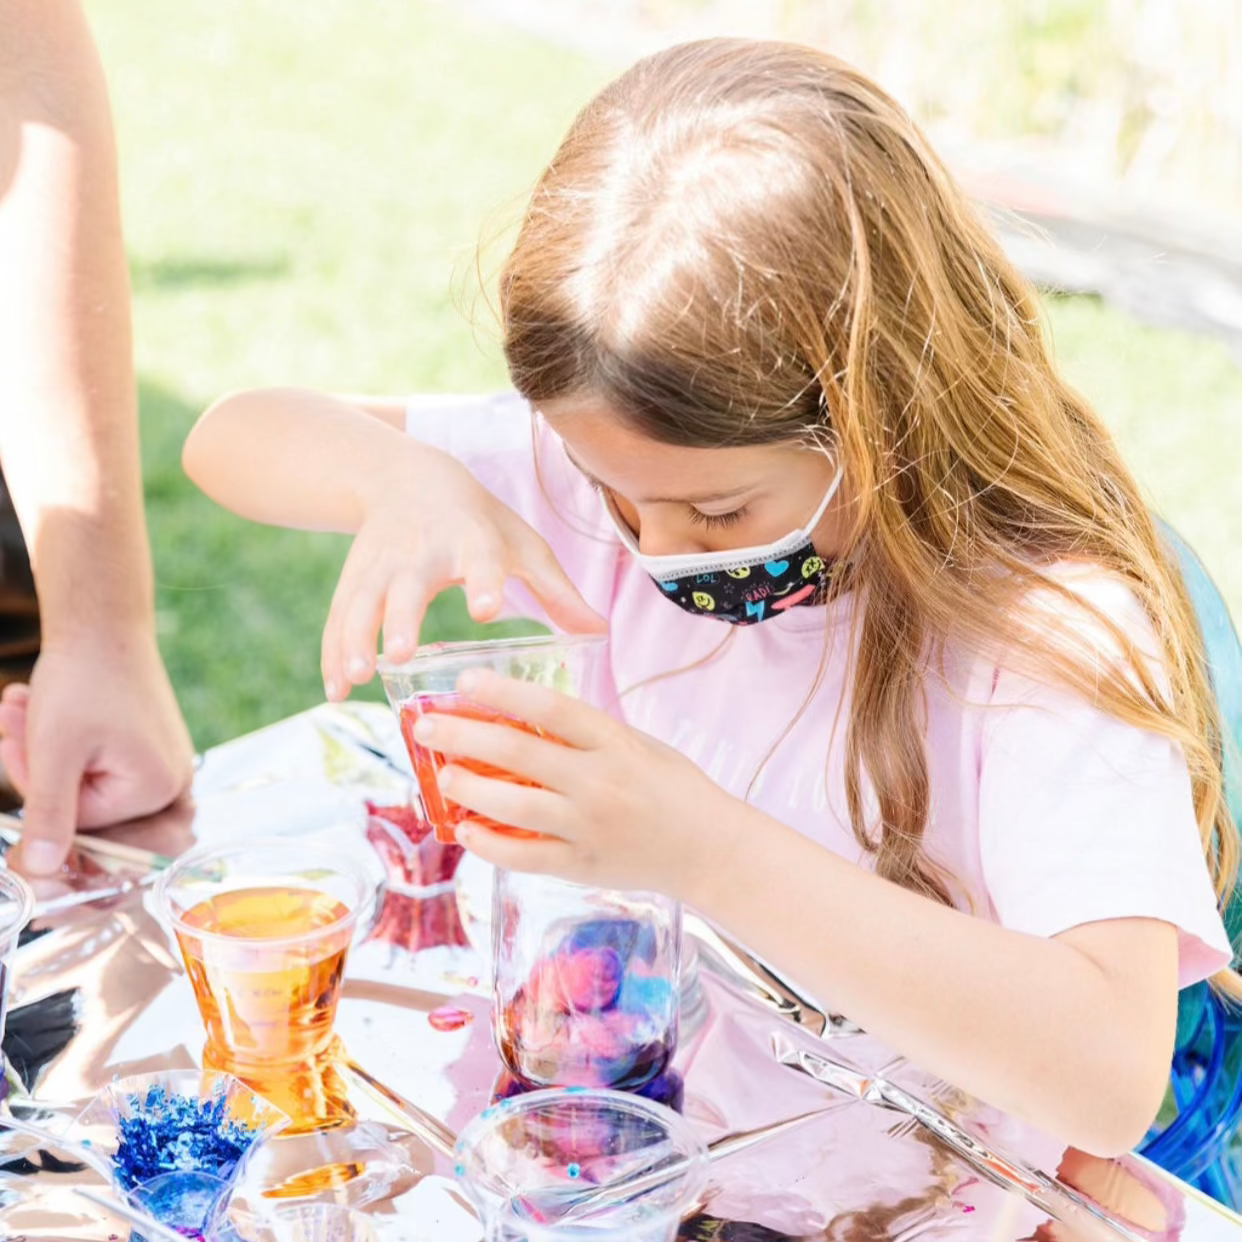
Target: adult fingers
x=13 y=760
x=567 y=719
x=55 y=765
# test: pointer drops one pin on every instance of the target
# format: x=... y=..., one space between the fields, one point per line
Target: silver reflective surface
x=98 y=991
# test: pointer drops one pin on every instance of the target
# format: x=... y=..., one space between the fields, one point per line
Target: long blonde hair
x=748 y=243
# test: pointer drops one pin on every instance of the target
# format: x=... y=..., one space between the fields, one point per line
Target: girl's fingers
x=484 y=585
x=567 y=719
x=520 y=806
x=350 y=632
x=403 y=617
x=360 y=626
x=547 y=763
x=548 y=857
x=334 y=684
x=566 y=608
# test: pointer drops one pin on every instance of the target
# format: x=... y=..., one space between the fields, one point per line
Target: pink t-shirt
x=1049 y=812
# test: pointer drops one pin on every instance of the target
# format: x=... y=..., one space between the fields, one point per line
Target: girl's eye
x=715 y=521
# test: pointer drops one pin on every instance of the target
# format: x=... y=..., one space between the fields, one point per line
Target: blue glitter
x=460 y=1170
x=175 y=1133
x=574 y=1170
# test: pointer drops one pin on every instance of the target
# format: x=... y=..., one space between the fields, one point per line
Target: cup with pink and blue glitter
x=586 y=985
x=581 y=1165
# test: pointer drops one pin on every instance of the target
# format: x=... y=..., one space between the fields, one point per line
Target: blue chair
x=1197 y=1143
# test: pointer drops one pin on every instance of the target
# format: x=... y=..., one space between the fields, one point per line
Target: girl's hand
x=428 y=524
x=617 y=809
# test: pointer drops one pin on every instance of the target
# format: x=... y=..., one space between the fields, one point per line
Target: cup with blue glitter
x=178 y=1142
x=587 y=983
x=16 y=906
x=577 y=1163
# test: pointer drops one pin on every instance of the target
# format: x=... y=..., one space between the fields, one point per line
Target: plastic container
x=587 y=982
x=596 y=1166
x=264 y=928
x=573 y=664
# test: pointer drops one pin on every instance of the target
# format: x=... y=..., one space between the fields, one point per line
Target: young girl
x=953 y=760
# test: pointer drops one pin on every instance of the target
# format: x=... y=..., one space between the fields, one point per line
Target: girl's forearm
x=293 y=457
x=1074 y=1034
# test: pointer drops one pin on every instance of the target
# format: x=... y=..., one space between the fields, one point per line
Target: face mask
x=743 y=585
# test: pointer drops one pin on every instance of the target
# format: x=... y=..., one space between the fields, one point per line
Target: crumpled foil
x=98 y=991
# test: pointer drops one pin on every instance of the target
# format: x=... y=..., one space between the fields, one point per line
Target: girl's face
x=688 y=500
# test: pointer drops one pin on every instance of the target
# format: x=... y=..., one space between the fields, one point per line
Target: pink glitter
x=449 y=1018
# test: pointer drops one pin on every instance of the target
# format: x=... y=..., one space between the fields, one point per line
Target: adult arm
x=97 y=736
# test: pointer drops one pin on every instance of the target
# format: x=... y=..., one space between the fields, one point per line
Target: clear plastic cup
x=586 y=982
x=264 y=929
x=591 y=1165
x=316 y=1222
x=189 y=1203
x=574 y=664
x=16 y=906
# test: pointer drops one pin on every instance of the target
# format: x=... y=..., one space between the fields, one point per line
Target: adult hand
x=94 y=739
x=613 y=806
x=427 y=525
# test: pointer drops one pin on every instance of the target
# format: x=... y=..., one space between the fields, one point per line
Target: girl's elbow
x=199 y=451
x=1122 y=1111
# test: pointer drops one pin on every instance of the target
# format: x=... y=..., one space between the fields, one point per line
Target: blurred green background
x=306 y=188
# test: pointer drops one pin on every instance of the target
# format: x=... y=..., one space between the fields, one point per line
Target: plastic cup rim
x=136 y=1084
x=680 y=1130
x=484 y=647
x=16 y=916
x=340 y=862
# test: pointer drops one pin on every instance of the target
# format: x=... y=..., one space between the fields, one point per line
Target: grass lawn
x=305 y=187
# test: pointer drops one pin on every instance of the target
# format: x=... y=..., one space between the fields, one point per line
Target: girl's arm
x=1073 y=1033
x=422 y=522
x=298 y=458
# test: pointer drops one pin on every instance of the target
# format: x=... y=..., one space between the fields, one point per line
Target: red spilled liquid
x=449 y=1018
x=443 y=815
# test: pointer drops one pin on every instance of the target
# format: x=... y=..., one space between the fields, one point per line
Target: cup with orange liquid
x=264 y=928
x=574 y=664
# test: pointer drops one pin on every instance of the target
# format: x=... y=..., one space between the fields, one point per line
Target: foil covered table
x=893 y=1153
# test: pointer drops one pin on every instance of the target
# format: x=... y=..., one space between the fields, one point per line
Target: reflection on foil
x=891 y=1154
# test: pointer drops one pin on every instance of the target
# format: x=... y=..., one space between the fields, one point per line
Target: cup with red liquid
x=574 y=664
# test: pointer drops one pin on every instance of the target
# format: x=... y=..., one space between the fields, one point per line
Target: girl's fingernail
x=444 y=778
x=399 y=643
x=358 y=667
x=331 y=689
x=424 y=730
x=484 y=602
x=469 y=680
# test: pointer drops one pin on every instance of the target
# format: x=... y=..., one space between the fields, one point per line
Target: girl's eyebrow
x=702 y=499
